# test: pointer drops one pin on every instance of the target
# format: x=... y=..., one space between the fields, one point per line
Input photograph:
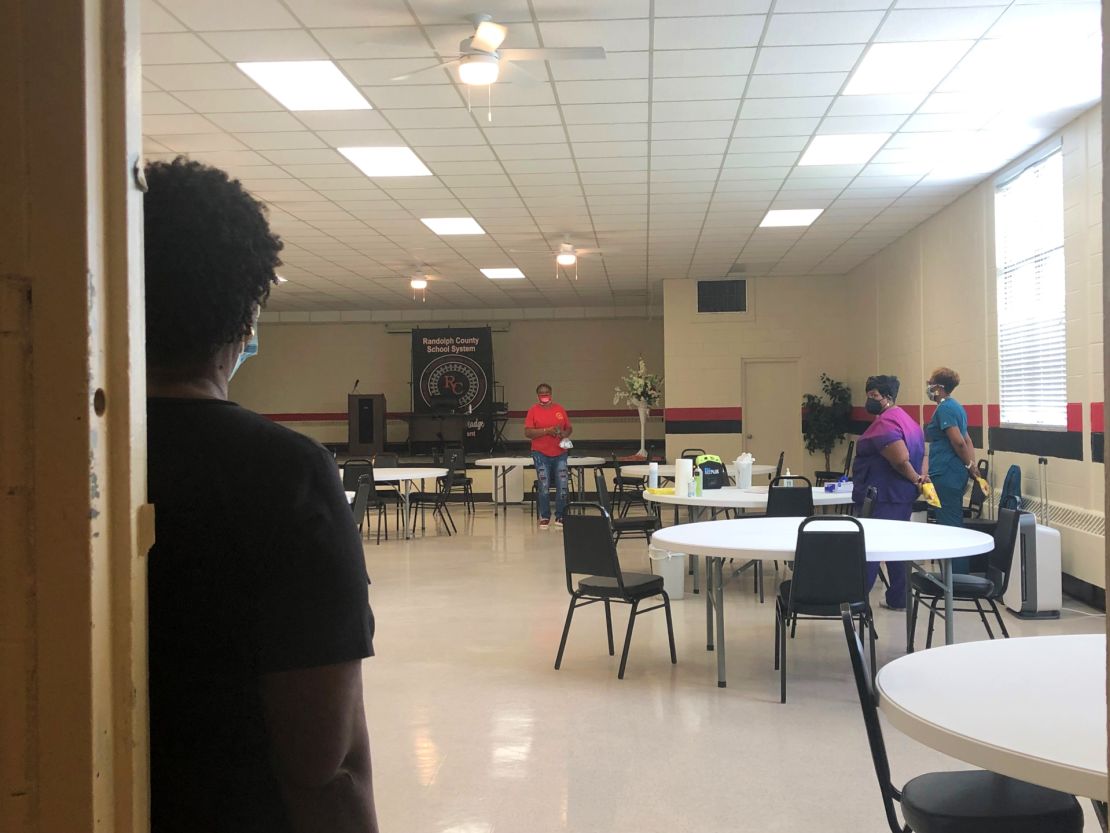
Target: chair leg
x=983 y=617
x=793 y=625
x=874 y=639
x=566 y=630
x=932 y=619
x=782 y=659
x=670 y=626
x=609 y=627
x=628 y=639
x=379 y=535
x=998 y=616
x=778 y=628
x=759 y=579
x=448 y=519
x=914 y=602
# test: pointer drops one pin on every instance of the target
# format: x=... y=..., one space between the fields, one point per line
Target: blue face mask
x=251 y=349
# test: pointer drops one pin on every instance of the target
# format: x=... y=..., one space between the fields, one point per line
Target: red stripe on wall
x=342 y=417
x=682 y=414
x=306 y=417
x=1075 y=416
x=859 y=414
x=994 y=416
x=1097 y=418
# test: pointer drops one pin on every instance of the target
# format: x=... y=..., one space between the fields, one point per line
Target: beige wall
x=310 y=367
x=788 y=317
x=929 y=300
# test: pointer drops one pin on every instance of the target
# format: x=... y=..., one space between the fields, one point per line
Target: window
x=1029 y=250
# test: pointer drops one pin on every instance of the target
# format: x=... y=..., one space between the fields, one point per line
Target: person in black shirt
x=258 y=610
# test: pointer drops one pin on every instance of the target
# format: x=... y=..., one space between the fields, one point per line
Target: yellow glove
x=984 y=486
x=929 y=495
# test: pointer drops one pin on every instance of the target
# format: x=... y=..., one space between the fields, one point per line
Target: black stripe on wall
x=704 y=426
x=1066 y=445
x=859 y=426
x=1096 y=446
x=976 y=434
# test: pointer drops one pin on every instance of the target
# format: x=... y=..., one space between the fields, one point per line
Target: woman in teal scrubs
x=951 y=453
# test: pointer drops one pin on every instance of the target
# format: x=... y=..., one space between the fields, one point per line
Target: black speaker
x=365 y=423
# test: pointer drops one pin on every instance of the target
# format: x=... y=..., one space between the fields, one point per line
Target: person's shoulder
x=276 y=440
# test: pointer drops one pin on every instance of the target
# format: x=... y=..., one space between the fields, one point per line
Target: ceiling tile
x=382 y=72
x=616 y=65
x=708 y=32
x=781 y=108
x=595 y=150
x=875 y=105
x=776 y=127
x=861 y=124
x=189 y=142
x=256 y=122
x=342 y=120
x=379 y=42
x=360 y=138
x=605 y=113
x=547 y=151
x=229 y=101
x=218 y=15
x=560 y=10
x=178 y=123
x=682 y=8
x=451 y=137
x=592 y=92
x=163 y=104
x=614 y=35
x=829 y=27
x=692 y=130
x=807 y=59
x=523 y=135
x=938 y=24
x=175 y=77
x=696 y=62
x=687 y=89
x=607 y=132
x=686 y=147
x=713 y=110
x=345 y=13
x=273 y=45
x=767 y=144
x=403 y=97
x=157 y=19
x=800 y=84
x=178 y=48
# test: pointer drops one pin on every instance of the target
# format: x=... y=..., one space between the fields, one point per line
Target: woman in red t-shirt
x=546 y=425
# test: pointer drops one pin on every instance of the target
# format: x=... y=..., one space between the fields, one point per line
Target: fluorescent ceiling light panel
x=502 y=274
x=452 y=225
x=843 y=149
x=891 y=68
x=306 y=85
x=386 y=161
x=784 y=217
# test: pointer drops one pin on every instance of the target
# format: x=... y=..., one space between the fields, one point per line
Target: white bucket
x=672 y=567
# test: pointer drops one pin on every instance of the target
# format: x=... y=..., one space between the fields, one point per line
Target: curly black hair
x=210 y=260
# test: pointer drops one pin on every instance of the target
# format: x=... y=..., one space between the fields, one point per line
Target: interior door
x=772 y=403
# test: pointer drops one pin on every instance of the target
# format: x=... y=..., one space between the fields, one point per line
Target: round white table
x=404 y=475
x=503 y=465
x=732 y=497
x=667 y=469
x=763 y=538
x=1032 y=708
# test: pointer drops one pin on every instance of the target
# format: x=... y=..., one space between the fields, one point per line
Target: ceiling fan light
x=478 y=70
x=418 y=283
x=566 y=258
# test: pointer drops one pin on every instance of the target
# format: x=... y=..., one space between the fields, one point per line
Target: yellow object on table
x=660 y=490
x=929 y=495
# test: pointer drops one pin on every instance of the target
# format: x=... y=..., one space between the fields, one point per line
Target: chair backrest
x=848 y=457
x=830 y=565
x=691 y=453
x=1000 y=560
x=871 y=719
x=868 y=507
x=790 y=501
x=362 y=498
x=386 y=460
x=588 y=546
x=353 y=470
x=1011 y=489
x=602 y=490
x=447 y=482
x=778 y=466
x=454 y=458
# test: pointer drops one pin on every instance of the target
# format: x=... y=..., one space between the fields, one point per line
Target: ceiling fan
x=480 y=58
x=565 y=256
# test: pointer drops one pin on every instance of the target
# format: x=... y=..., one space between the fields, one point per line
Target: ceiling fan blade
x=517 y=74
x=570 y=53
x=409 y=75
x=488 y=36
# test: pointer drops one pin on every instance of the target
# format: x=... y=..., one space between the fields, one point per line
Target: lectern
x=365 y=423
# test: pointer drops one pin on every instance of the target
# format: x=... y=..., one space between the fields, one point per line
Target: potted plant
x=826 y=418
x=643 y=391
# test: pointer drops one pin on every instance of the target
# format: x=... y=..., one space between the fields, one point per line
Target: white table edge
x=1070 y=779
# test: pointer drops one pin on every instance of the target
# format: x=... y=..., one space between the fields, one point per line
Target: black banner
x=452 y=373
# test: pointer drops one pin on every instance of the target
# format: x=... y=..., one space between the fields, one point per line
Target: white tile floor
x=473 y=731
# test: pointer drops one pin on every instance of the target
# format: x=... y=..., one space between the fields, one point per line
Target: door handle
x=749 y=436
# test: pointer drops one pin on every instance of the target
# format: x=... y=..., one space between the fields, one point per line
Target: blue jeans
x=551 y=470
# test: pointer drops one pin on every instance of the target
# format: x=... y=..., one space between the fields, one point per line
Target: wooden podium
x=365 y=423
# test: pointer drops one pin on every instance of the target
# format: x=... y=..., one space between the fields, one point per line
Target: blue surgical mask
x=251 y=349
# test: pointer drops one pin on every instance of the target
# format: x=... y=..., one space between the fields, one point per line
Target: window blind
x=1032 y=334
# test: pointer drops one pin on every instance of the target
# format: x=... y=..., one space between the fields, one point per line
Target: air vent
x=722 y=296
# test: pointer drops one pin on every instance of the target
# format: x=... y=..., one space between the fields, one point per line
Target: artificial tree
x=826 y=418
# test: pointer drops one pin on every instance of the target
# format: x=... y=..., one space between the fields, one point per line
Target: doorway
x=771 y=397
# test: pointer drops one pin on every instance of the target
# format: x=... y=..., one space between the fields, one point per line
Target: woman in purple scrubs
x=889 y=456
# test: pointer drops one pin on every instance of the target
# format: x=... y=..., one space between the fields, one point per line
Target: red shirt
x=547 y=416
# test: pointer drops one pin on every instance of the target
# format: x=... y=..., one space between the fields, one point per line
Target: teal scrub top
x=945 y=466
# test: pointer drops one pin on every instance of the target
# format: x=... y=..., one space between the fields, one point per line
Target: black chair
x=971 y=801
x=436 y=501
x=386 y=460
x=977 y=498
x=830 y=569
x=691 y=453
x=823 y=477
x=588 y=549
x=785 y=502
x=454 y=458
x=866 y=510
x=627 y=491
x=972 y=587
x=778 y=466
x=638 y=525
x=353 y=470
x=376 y=498
x=362 y=499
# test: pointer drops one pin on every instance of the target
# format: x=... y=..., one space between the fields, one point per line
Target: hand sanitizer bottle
x=786 y=478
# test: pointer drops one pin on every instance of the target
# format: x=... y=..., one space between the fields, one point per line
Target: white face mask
x=250 y=349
